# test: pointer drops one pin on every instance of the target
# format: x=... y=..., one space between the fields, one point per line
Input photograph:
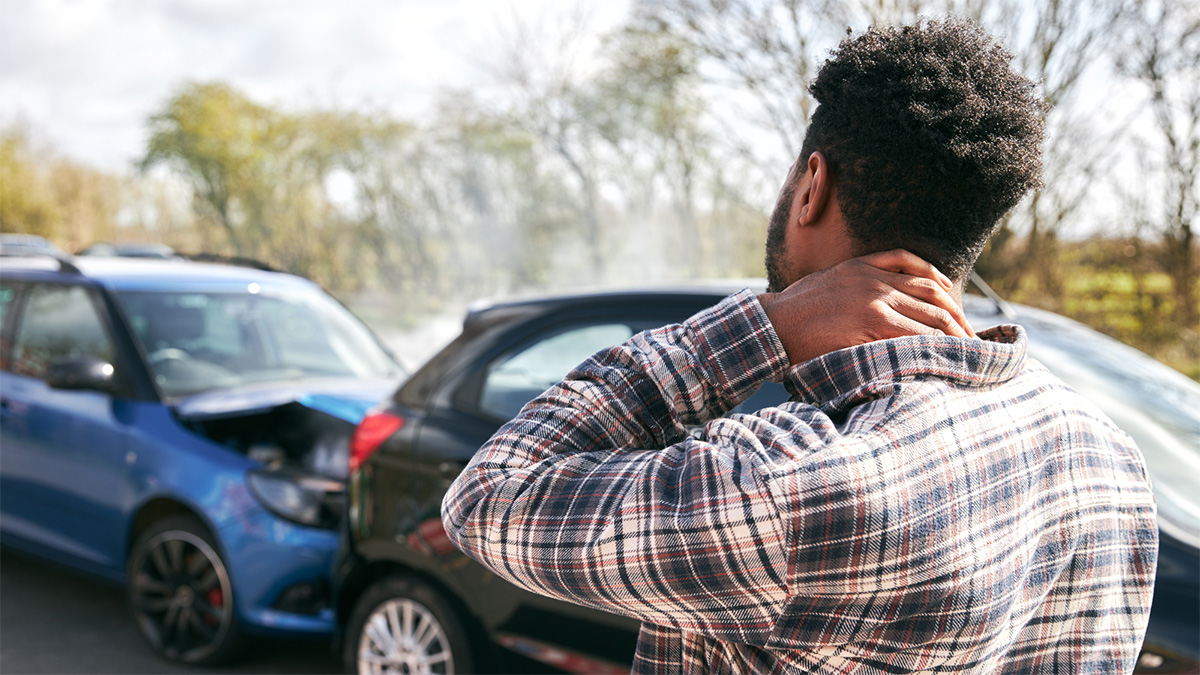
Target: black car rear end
x=404 y=457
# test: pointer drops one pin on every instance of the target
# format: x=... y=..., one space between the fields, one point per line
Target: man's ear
x=811 y=201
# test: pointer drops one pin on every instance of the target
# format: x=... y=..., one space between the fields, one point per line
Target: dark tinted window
x=517 y=378
x=58 y=322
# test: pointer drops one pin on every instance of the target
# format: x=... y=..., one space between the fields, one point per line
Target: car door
x=63 y=465
x=497 y=386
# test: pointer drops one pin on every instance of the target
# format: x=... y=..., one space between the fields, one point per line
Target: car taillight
x=372 y=431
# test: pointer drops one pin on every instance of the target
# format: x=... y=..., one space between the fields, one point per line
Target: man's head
x=923 y=138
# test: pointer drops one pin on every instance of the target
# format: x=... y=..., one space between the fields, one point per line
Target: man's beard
x=776 y=230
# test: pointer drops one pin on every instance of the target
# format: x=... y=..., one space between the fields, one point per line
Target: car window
x=300 y=338
x=8 y=292
x=199 y=341
x=515 y=379
x=58 y=322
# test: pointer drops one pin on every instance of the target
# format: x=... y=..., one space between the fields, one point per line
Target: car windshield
x=197 y=341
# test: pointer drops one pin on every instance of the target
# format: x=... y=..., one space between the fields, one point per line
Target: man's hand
x=874 y=297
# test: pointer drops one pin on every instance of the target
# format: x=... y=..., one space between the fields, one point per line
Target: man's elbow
x=456 y=509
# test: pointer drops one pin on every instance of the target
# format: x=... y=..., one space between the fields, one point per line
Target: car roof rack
x=66 y=265
x=229 y=260
x=64 y=262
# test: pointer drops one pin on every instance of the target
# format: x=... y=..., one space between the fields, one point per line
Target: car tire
x=180 y=593
x=402 y=625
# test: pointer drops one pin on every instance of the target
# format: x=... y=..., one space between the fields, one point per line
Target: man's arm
x=596 y=495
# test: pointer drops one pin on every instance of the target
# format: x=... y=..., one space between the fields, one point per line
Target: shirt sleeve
x=596 y=494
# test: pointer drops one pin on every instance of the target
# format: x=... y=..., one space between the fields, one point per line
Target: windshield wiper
x=1002 y=307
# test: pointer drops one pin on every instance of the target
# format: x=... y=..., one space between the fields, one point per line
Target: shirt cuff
x=738 y=346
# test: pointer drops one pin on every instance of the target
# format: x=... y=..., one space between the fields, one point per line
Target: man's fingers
x=921 y=297
x=929 y=291
x=881 y=296
x=899 y=325
x=930 y=318
x=899 y=260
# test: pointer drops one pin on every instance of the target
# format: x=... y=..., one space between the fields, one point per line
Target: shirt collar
x=838 y=380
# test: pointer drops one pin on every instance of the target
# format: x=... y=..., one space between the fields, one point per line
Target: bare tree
x=762 y=54
x=1164 y=57
x=757 y=59
x=539 y=67
x=1063 y=45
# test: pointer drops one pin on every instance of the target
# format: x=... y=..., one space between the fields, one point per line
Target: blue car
x=182 y=428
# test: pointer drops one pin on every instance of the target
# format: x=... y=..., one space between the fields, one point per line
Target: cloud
x=89 y=73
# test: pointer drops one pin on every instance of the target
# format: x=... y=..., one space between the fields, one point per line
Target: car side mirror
x=82 y=373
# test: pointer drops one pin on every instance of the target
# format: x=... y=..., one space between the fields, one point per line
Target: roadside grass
x=1121 y=298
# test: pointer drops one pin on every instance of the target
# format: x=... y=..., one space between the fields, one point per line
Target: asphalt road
x=54 y=620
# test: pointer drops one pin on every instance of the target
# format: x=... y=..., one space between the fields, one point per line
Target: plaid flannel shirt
x=925 y=504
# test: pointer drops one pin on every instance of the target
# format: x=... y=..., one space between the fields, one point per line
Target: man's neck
x=956 y=291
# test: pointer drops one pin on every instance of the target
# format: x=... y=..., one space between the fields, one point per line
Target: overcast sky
x=86 y=74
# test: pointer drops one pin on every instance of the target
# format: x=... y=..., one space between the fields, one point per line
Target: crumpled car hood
x=345 y=399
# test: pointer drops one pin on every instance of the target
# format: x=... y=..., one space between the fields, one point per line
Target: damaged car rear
x=183 y=428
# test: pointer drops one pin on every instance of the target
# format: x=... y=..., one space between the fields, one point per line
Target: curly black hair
x=930 y=136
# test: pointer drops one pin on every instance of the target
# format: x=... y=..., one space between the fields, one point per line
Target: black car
x=409 y=601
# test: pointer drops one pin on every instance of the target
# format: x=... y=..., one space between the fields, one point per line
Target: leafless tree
x=539 y=67
x=1063 y=45
x=1164 y=58
x=757 y=59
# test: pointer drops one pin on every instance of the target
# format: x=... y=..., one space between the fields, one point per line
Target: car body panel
x=344 y=399
x=59 y=490
x=396 y=497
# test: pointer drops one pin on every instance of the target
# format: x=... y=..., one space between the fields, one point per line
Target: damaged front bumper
x=280 y=572
x=298 y=432
x=283 y=535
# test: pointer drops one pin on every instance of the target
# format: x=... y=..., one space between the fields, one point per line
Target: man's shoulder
x=1035 y=378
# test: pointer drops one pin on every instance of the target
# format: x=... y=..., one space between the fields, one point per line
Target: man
x=928 y=501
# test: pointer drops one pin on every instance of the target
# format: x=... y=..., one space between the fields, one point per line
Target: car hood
x=345 y=399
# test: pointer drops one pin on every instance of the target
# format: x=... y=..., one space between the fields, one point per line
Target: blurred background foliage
x=657 y=160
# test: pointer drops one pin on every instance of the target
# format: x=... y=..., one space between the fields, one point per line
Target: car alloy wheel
x=180 y=593
x=402 y=636
x=402 y=626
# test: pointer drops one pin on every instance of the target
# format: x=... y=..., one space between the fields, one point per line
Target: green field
x=1120 y=295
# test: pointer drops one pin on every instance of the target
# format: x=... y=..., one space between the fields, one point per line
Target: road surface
x=54 y=620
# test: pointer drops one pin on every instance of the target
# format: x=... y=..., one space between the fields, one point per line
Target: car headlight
x=299 y=497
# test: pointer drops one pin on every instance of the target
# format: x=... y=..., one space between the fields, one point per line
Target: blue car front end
x=279 y=552
x=279 y=567
x=216 y=444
